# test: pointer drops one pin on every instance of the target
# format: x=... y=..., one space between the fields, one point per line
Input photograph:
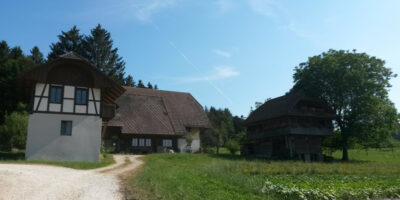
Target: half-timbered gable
x=70 y=99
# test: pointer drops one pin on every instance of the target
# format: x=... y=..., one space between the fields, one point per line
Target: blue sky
x=227 y=53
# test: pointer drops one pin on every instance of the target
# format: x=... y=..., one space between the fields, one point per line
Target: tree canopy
x=225 y=128
x=355 y=85
x=97 y=47
x=12 y=62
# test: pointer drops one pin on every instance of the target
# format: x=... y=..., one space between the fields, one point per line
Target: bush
x=233 y=146
x=14 y=130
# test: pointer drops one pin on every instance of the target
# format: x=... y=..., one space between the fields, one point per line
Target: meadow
x=372 y=174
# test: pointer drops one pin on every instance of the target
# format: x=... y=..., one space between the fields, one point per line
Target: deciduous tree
x=355 y=85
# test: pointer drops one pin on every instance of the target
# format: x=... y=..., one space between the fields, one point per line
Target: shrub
x=233 y=146
x=13 y=131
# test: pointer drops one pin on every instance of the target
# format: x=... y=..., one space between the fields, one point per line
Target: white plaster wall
x=96 y=92
x=54 y=107
x=80 y=109
x=43 y=104
x=91 y=107
x=195 y=146
x=39 y=89
x=69 y=91
x=45 y=142
x=68 y=105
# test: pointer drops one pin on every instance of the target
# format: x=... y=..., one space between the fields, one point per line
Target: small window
x=81 y=96
x=167 y=143
x=55 y=94
x=66 y=128
x=141 y=142
x=134 y=142
x=148 y=142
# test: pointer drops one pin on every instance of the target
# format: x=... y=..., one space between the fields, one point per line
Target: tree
x=140 y=84
x=155 y=87
x=12 y=62
x=129 y=81
x=355 y=85
x=13 y=131
x=257 y=104
x=99 y=50
x=68 y=41
x=233 y=146
x=222 y=123
x=36 y=56
x=149 y=85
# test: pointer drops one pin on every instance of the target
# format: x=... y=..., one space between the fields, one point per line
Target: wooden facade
x=291 y=126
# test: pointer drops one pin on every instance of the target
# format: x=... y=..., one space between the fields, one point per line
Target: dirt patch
x=21 y=181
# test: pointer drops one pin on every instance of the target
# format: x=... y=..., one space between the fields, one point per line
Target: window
x=134 y=142
x=148 y=142
x=81 y=96
x=167 y=143
x=66 y=128
x=55 y=94
x=141 y=142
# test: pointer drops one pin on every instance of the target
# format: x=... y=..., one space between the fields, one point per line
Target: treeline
x=97 y=48
x=227 y=131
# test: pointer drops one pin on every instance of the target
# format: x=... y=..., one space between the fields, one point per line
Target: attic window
x=55 y=94
x=81 y=96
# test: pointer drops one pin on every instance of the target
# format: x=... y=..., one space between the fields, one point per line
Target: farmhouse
x=74 y=107
x=69 y=100
x=150 y=121
x=289 y=126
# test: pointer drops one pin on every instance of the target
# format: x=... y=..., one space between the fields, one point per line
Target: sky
x=226 y=53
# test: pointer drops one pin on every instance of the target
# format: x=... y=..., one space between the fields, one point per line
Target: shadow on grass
x=10 y=156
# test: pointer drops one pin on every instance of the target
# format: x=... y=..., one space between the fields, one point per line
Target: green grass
x=19 y=157
x=374 y=155
x=201 y=176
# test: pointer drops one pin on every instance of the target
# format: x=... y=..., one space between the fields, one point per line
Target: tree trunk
x=217 y=149
x=345 y=154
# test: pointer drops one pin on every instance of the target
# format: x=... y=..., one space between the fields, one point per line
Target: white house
x=70 y=99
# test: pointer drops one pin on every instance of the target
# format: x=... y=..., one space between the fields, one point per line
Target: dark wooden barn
x=290 y=126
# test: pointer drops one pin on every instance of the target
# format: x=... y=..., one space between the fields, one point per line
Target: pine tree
x=140 y=84
x=4 y=51
x=100 y=52
x=129 y=81
x=68 y=41
x=155 y=87
x=36 y=55
x=149 y=85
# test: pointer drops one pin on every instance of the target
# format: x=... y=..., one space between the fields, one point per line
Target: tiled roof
x=147 y=111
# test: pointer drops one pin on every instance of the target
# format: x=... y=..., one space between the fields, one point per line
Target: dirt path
x=28 y=181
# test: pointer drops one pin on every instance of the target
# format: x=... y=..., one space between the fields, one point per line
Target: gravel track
x=32 y=181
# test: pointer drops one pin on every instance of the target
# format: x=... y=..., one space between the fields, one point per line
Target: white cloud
x=225 y=5
x=144 y=12
x=222 y=53
x=124 y=10
x=264 y=7
x=219 y=73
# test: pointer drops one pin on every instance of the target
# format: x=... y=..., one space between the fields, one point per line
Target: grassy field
x=201 y=176
x=19 y=157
